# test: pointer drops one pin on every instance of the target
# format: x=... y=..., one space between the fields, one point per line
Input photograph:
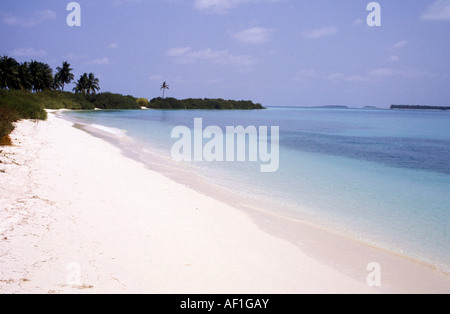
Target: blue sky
x=276 y=52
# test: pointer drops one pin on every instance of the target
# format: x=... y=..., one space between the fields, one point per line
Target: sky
x=274 y=52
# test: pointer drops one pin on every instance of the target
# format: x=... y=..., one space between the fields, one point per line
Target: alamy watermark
x=374 y=18
x=374 y=278
x=74 y=276
x=236 y=144
x=74 y=17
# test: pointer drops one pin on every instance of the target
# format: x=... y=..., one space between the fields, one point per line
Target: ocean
x=379 y=176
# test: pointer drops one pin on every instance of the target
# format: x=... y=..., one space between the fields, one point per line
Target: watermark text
x=74 y=17
x=236 y=144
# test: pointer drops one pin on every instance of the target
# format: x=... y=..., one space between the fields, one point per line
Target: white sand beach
x=77 y=216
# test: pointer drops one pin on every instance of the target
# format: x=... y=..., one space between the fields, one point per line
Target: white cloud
x=358 y=22
x=100 y=61
x=35 y=19
x=222 y=6
x=28 y=52
x=222 y=57
x=156 y=77
x=254 y=35
x=382 y=72
x=113 y=46
x=120 y=2
x=336 y=77
x=304 y=76
x=357 y=78
x=213 y=82
x=437 y=11
x=218 y=6
x=374 y=74
x=178 y=52
x=340 y=77
x=399 y=45
x=320 y=32
x=394 y=58
x=75 y=56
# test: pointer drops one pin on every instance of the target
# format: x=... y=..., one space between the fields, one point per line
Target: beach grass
x=16 y=105
x=19 y=104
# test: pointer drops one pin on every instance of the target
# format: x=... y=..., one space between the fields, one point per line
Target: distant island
x=408 y=107
x=202 y=104
x=318 y=107
x=333 y=107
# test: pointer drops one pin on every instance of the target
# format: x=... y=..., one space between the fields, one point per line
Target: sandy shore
x=77 y=216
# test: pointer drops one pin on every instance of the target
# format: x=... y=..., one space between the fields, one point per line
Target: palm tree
x=93 y=84
x=35 y=77
x=26 y=80
x=87 y=84
x=42 y=76
x=57 y=83
x=64 y=75
x=82 y=84
x=9 y=71
x=164 y=87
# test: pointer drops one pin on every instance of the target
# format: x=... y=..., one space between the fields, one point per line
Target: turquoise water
x=377 y=175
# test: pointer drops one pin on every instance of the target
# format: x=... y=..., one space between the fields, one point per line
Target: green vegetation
x=25 y=104
x=20 y=104
x=113 y=101
x=16 y=105
x=406 y=107
x=143 y=102
x=63 y=100
x=27 y=88
x=37 y=76
x=7 y=117
x=64 y=75
x=204 y=104
x=87 y=84
x=66 y=100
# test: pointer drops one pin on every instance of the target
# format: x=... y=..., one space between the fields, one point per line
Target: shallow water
x=377 y=175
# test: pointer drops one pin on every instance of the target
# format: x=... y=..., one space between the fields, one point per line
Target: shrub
x=16 y=105
x=5 y=141
x=64 y=100
x=26 y=104
x=143 y=102
x=113 y=101
x=7 y=117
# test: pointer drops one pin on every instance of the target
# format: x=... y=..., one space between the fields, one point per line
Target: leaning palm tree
x=164 y=87
x=93 y=84
x=65 y=75
x=57 y=83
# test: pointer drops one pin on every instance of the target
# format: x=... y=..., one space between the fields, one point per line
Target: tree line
x=414 y=107
x=202 y=104
x=37 y=76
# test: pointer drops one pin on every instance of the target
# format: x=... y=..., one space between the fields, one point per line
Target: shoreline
x=321 y=240
x=314 y=260
x=253 y=207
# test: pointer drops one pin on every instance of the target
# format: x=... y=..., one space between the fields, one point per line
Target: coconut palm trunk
x=164 y=87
